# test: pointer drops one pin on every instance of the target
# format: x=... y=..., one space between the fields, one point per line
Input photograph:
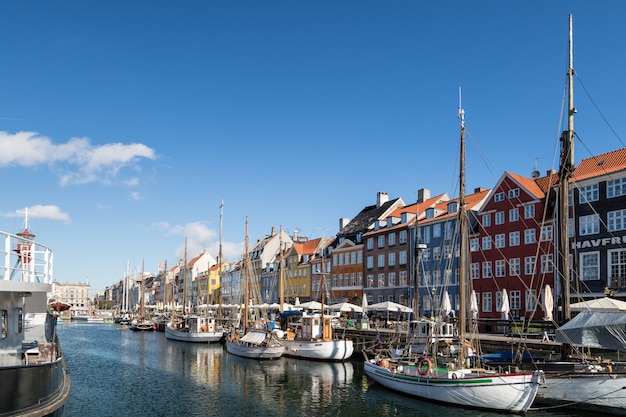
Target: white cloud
x=76 y=161
x=42 y=212
x=135 y=195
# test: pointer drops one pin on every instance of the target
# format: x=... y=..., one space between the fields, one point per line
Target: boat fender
x=454 y=375
x=424 y=362
x=203 y=328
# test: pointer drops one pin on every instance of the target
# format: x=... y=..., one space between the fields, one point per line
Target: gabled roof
x=604 y=164
x=419 y=208
x=194 y=260
x=528 y=184
x=472 y=202
x=367 y=216
x=551 y=180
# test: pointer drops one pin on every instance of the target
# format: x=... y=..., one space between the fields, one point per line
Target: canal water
x=122 y=373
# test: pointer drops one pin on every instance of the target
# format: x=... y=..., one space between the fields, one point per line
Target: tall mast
x=220 y=261
x=246 y=271
x=281 y=284
x=143 y=292
x=185 y=277
x=565 y=173
x=463 y=243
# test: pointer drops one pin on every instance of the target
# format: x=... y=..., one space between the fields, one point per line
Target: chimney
x=273 y=231
x=381 y=198
x=423 y=194
x=479 y=189
x=343 y=222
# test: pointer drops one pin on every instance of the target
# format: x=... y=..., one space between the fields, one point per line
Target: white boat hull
x=254 y=352
x=601 y=392
x=195 y=337
x=502 y=392
x=327 y=350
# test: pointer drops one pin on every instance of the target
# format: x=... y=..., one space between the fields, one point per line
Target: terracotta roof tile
x=595 y=166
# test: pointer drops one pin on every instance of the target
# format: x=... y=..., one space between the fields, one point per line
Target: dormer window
x=430 y=213
x=453 y=206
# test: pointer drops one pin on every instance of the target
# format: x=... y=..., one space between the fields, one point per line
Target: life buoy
x=420 y=366
x=203 y=328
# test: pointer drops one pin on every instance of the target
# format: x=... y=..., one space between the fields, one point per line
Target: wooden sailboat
x=456 y=382
x=192 y=327
x=142 y=322
x=585 y=384
x=252 y=342
x=314 y=338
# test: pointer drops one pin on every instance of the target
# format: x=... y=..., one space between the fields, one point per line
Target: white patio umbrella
x=311 y=305
x=548 y=303
x=474 y=304
x=505 y=309
x=446 y=305
x=345 y=307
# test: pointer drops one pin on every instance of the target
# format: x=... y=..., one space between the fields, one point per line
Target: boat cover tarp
x=600 y=329
x=605 y=303
x=255 y=338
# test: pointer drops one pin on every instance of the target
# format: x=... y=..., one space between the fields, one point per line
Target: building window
x=437 y=230
x=498 y=197
x=529 y=265
x=515 y=299
x=486 y=243
x=381 y=280
x=402 y=237
x=500 y=268
x=402 y=257
x=370 y=281
x=381 y=260
x=529 y=211
x=486 y=298
x=437 y=253
x=530 y=236
x=474 y=247
x=616 y=220
x=531 y=300
x=475 y=270
x=370 y=243
x=588 y=193
x=547 y=264
x=616 y=188
x=486 y=220
x=514 y=193
x=590 y=266
x=513 y=214
x=381 y=241
x=500 y=217
x=392 y=259
x=370 y=262
x=392 y=279
x=392 y=239
x=500 y=240
x=589 y=225
x=617 y=268
x=514 y=267
x=487 y=271
x=514 y=239
x=403 y=276
x=546 y=233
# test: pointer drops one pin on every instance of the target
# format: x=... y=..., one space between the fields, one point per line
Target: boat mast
x=219 y=265
x=143 y=294
x=281 y=284
x=185 y=277
x=565 y=173
x=463 y=243
x=246 y=271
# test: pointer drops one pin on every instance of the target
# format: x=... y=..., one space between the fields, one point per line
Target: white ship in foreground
x=34 y=380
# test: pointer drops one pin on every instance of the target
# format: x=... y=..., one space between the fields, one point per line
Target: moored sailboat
x=583 y=384
x=191 y=327
x=455 y=382
x=313 y=338
x=255 y=343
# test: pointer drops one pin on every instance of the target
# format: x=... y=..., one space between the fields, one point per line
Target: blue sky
x=124 y=124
